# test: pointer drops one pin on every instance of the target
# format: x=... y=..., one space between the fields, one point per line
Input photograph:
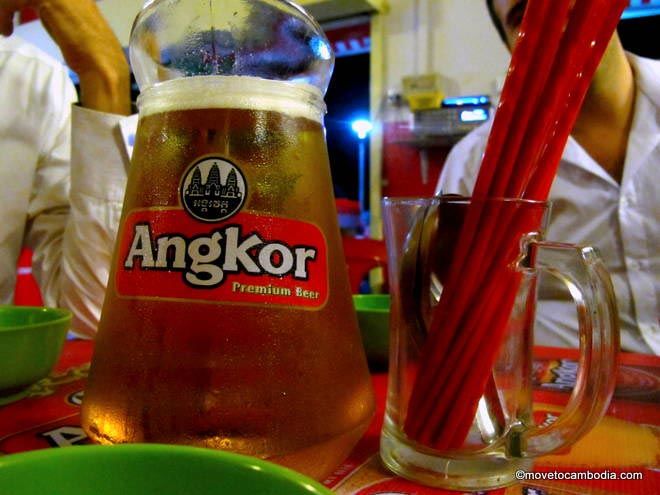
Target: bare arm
x=89 y=46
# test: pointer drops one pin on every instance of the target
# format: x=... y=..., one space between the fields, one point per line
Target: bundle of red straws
x=559 y=48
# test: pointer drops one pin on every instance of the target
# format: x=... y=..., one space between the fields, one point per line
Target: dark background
x=347 y=100
x=641 y=35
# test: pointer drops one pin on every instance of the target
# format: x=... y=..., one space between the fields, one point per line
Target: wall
x=454 y=38
x=120 y=15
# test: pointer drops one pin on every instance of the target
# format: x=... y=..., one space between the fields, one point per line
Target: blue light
x=476 y=115
x=362 y=128
x=641 y=10
x=459 y=101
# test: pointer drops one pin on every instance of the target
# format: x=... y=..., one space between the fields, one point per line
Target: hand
x=88 y=45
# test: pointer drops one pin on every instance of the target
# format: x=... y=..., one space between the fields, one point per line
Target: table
x=625 y=443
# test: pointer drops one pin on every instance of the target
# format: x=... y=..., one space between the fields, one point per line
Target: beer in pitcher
x=228 y=321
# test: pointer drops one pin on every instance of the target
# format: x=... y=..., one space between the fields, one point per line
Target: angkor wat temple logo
x=213 y=189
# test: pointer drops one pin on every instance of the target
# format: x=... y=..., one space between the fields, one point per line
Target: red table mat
x=625 y=443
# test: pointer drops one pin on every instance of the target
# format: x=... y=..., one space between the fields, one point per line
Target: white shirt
x=590 y=208
x=66 y=208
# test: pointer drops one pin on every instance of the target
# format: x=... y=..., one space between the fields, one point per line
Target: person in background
x=63 y=204
x=605 y=193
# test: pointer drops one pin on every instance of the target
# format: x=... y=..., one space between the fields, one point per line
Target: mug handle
x=585 y=275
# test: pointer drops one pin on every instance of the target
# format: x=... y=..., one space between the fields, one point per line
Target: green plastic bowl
x=147 y=469
x=30 y=343
x=373 y=313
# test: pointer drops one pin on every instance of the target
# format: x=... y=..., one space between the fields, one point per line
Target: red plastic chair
x=363 y=255
x=26 y=292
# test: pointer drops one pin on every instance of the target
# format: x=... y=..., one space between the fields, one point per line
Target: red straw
x=459 y=377
x=461 y=348
x=541 y=181
x=568 y=69
x=466 y=418
x=580 y=32
x=485 y=322
x=541 y=154
x=545 y=166
x=539 y=64
x=530 y=43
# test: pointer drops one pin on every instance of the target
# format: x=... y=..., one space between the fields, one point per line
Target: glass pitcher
x=228 y=321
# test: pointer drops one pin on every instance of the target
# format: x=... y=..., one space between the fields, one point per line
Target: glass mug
x=459 y=405
x=228 y=320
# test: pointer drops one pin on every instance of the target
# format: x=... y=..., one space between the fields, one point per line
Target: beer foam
x=242 y=92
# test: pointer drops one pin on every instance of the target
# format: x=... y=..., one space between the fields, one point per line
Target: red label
x=249 y=258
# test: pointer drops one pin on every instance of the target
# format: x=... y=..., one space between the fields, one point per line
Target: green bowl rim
x=61 y=315
x=169 y=450
x=367 y=297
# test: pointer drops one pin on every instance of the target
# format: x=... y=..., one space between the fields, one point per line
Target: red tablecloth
x=626 y=442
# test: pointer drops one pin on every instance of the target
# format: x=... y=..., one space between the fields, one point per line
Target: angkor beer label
x=211 y=250
x=250 y=258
